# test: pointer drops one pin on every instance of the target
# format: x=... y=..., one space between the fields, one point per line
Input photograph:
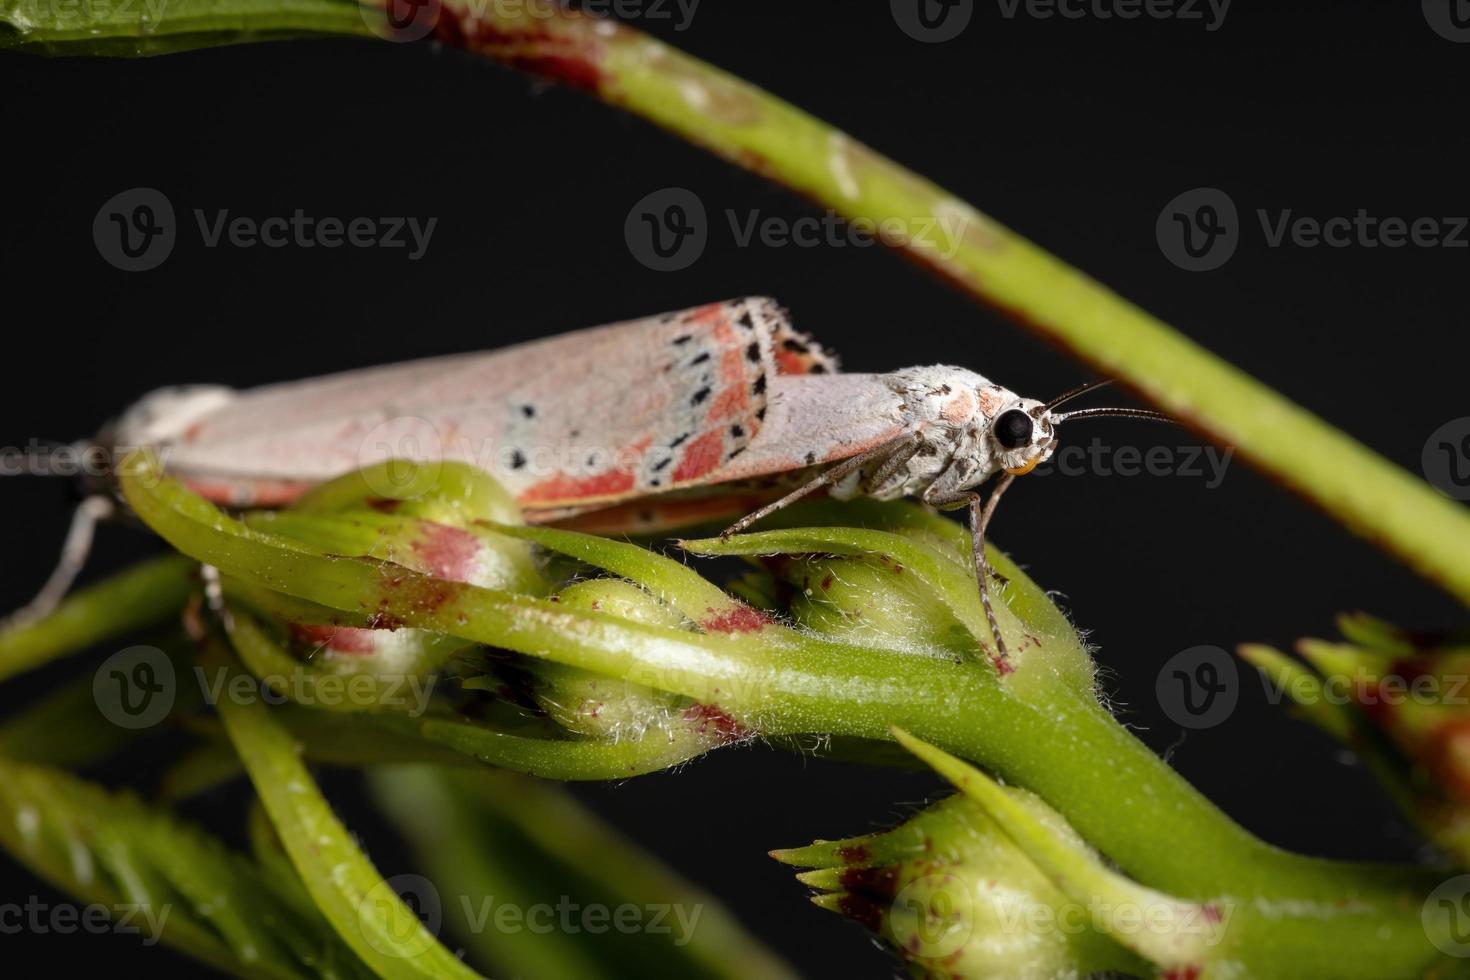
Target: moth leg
x=829 y=476
x=73 y=559
x=980 y=515
x=892 y=465
x=1000 y=487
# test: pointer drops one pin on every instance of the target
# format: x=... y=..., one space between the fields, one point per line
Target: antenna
x=1067 y=396
x=1123 y=413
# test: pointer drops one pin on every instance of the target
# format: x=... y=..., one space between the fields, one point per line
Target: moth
x=640 y=425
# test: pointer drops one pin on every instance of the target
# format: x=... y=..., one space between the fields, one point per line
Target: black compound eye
x=1013 y=429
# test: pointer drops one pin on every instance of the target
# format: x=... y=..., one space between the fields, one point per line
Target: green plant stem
x=776 y=681
x=364 y=910
x=140 y=596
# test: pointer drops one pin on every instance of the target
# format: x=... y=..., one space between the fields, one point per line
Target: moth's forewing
x=726 y=391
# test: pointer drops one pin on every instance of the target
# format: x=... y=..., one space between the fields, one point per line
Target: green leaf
x=152 y=27
x=491 y=840
x=363 y=908
x=141 y=596
x=166 y=879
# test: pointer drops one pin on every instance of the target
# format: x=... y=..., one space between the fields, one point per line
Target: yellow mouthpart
x=1023 y=469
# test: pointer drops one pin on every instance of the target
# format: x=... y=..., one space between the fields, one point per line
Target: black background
x=1075 y=133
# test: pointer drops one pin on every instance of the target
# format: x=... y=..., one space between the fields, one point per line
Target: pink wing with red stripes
x=720 y=392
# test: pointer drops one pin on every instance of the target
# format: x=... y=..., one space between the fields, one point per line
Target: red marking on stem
x=1372 y=702
x=385 y=621
x=568 y=69
x=736 y=619
x=701 y=456
x=709 y=718
x=447 y=552
x=878 y=882
x=864 y=910
x=827 y=582
x=1448 y=755
x=854 y=854
x=1190 y=972
x=1412 y=668
x=573 y=59
x=1003 y=665
x=1212 y=913
x=383 y=505
x=341 y=639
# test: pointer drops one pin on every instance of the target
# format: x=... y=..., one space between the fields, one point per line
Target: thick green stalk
x=777 y=681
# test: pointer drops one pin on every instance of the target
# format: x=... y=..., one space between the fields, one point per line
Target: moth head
x=1024 y=434
x=1026 y=431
